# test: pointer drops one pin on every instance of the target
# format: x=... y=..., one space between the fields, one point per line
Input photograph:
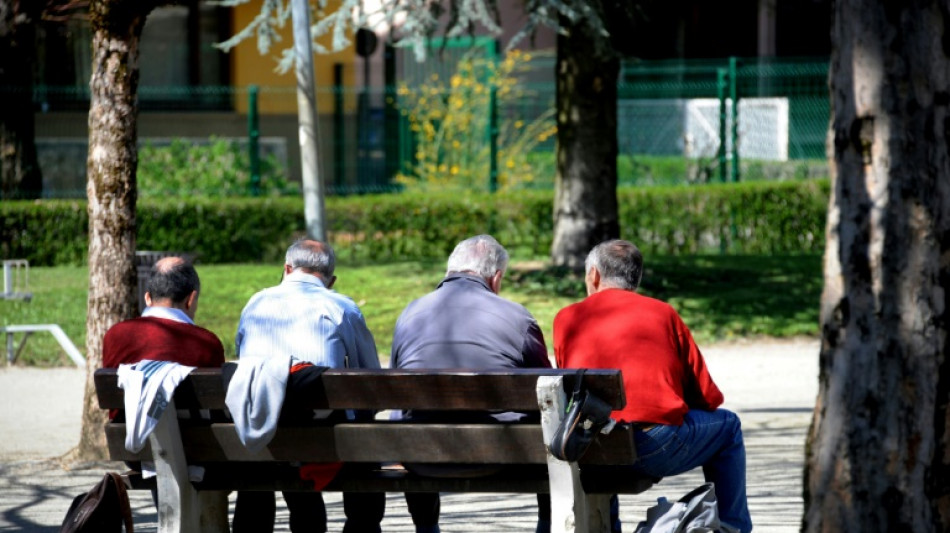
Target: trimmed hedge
x=759 y=217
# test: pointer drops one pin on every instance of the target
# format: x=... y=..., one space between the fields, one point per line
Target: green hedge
x=757 y=217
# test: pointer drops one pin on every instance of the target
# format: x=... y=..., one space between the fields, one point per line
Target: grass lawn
x=719 y=297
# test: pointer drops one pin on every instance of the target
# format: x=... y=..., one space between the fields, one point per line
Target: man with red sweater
x=671 y=399
x=166 y=330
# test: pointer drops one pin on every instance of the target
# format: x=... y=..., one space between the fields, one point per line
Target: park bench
x=579 y=501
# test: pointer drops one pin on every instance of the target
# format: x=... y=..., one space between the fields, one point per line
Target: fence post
x=253 y=140
x=339 y=133
x=721 y=94
x=493 y=121
x=734 y=96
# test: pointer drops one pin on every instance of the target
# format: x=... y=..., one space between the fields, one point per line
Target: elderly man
x=465 y=324
x=166 y=331
x=671 y=399
x=304 y=318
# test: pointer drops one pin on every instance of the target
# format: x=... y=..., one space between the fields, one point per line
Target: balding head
x=172 y=282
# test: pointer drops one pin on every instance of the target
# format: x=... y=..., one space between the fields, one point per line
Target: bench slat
x=380 y=442
x=393 y=389
x=518 y=478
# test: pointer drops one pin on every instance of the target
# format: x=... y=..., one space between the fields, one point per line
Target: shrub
x=450 y=122
x=219 y=168
x=754 y=218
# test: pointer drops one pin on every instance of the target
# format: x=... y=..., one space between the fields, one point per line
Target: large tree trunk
x=20 y=175
x=585 y=197
x=117 y=27
x=878 y=456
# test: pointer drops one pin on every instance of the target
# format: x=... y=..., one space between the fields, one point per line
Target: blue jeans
x=711 y=439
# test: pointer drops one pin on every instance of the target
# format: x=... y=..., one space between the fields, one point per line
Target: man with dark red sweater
x=166 y=330
x=671 y=399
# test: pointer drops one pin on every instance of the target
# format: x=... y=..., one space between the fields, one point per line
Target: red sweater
x=160 y=339
x=664 y=374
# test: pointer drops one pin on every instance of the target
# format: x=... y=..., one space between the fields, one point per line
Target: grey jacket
x=463 y=324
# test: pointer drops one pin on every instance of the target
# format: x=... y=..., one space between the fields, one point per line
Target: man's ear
x=495 y=281
x=288 y=269
x=148 y=299
x=191 y=300
x=592 y=280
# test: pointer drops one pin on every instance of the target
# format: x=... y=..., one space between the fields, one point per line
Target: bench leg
x=214 y=511
x=179 y=509
x=569 y=502
x=598 y=513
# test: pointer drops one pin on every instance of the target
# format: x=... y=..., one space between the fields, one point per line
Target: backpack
x=101 y=510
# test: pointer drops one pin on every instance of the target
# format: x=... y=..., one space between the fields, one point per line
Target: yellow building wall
x=277 y=93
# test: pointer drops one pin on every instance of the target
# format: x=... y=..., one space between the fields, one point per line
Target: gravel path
x=771 y=384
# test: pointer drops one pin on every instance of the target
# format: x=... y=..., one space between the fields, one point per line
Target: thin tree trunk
x=111 y=190
x=20 y=175
x=585 y=197
x=878 y=455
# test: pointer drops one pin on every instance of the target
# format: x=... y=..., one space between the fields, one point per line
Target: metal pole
x=253 y=136
x=339 y=134
x=493 y=125
x=734 y=96
x=307 y=119
x=721 y=90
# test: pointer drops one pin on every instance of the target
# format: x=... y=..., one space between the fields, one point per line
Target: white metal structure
x=16 y=286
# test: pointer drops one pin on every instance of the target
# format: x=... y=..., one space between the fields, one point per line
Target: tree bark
x=585 y=196
x=20 y=175
x=111 y=190
x=878 y=454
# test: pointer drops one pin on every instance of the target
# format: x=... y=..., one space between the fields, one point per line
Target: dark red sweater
x=160 y=339
x=664 y=374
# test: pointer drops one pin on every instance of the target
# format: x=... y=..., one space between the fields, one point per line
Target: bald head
x=313 y=257
x=172 y=282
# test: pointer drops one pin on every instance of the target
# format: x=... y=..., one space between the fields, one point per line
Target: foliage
x=720 y=297
x=451 y=122
x=755 y=217
x=419 y=20
x=219 y=168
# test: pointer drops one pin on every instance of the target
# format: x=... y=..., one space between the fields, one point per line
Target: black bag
x=586 y=416
x=101 y=510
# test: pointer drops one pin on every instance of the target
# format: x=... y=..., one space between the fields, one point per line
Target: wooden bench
x=579 y=502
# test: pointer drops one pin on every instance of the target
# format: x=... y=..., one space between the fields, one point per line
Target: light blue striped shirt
x=302 y=318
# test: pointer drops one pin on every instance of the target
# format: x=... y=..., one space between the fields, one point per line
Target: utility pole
x=307 y=121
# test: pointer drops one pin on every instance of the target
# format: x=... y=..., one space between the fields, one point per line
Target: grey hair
x=315 y=259
x=619 y=262
x=481 y=254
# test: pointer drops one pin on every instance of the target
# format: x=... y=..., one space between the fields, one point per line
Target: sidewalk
x=771 y=384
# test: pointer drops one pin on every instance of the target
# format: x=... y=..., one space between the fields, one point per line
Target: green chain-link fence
x=672 y=116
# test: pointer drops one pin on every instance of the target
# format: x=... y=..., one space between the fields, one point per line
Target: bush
x=752 y=218
x=218 y=168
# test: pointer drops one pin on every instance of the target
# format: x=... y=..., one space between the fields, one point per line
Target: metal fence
x=677 y=123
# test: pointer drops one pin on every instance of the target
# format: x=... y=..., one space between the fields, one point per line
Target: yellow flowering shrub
x=450 y=120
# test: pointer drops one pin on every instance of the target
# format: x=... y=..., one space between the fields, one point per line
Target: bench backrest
x=382 y=441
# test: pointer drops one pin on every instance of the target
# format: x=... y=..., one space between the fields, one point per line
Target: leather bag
x=586 y=416
x=104 y=509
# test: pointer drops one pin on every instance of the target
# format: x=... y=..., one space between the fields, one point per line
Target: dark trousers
x=424 y=507
x=255 y=511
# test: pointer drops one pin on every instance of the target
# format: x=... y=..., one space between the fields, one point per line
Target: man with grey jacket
x=464 y=323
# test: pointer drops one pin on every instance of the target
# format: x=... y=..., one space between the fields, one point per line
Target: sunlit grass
x=719 y=297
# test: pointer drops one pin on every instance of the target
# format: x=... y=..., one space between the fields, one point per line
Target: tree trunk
x=20 y=175
x=111 y=190
x=878 y=455
x=585 y=197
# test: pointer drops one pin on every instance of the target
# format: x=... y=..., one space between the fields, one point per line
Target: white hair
x=481 y=255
